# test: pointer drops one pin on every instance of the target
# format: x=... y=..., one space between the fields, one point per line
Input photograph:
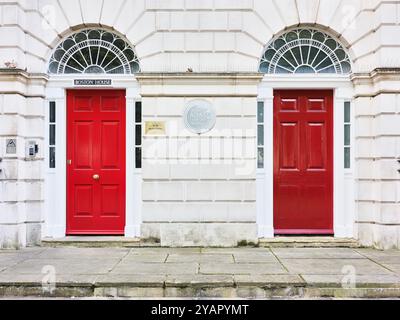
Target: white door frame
x=344 y=197
x=56 y=179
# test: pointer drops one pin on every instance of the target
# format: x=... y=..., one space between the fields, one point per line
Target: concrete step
x=96 y=242
x=309 y=242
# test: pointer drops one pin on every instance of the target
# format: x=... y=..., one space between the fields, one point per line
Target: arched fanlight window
x=305 y=51
x=94 y=51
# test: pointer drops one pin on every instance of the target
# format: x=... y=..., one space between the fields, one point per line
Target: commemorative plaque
x=199 y=116
x=153 y=128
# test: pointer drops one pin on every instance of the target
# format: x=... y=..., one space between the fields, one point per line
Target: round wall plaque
x=199 y=116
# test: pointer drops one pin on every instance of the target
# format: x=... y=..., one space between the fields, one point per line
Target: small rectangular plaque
x=155 y=128
x=93 y=82
x=11 y=146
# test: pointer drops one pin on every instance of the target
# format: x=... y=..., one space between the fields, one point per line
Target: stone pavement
x=200 y=272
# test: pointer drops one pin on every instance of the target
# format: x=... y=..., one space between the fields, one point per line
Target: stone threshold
x=227 y=290
x=95 y=242
x=309 y=242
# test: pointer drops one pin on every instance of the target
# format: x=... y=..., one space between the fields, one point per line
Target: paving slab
x=10 y=260
x=269 y=279
x=75 y=279
x=393 y=267
x=146 y=258
x=131 y=280
x=82 y=253
x=155 y=268
x=254 y=257
x=166 y=250
x=248 y=268
x=370 y=280
x=92 y=266
x=200 y=258
x=378 y=253
x=333 y=266
x=24 y=251
x=316 y=253
x=391 y=256
x=19 y=279
x=233 y=250
x=199 y=280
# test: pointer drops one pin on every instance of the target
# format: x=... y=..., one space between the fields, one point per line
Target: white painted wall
x=200 y=190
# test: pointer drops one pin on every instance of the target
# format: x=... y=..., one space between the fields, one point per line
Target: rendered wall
x=200 y=190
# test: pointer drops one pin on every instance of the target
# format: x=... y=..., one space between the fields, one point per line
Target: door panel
x=110 y=141
x=289 y=146
x=303 y=162
x=84 y=145
x=110 y=200
x=96 y=173
x=315 y=146
x=289 y=105
x=83 y=201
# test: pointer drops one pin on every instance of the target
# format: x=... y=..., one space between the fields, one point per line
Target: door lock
x=96 y=177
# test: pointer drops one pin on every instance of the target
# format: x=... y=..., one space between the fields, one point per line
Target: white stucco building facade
x=305 y=95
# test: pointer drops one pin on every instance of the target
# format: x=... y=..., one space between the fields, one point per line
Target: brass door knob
x=96 y=177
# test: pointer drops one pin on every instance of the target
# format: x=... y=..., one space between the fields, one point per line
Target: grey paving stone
x=393 y=267
x=155 y=268
x=316 y=253
x=234 y=250
x=263 y=280
x=28 y=250
x=165 y=250
x=254 y=257
x=10 y=260
x=332 y=266
x=17 y=278
x=83 y=253
x=65 y=266
x=390 y=257
x=76 y=279
x=336 y=280
x=200 y=258
x=199 y=280
x=264 y=268
x=131 y=280
x=144 y=257
x=378 y=253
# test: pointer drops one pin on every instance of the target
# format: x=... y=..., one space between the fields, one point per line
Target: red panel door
x=96 y=162
x=303 y=162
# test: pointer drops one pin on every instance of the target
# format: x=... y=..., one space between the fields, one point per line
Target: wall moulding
x=379 y=81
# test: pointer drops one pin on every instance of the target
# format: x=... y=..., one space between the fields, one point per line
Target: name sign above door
x=93 y=82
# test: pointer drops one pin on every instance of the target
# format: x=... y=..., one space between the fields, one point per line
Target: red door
x=96 y=162
x=303 y=162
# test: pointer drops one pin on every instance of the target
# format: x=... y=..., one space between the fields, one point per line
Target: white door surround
x=55 y=179
x=344 y=197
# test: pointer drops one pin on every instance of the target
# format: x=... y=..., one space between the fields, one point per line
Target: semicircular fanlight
x=305 y=51
x=94 y=51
